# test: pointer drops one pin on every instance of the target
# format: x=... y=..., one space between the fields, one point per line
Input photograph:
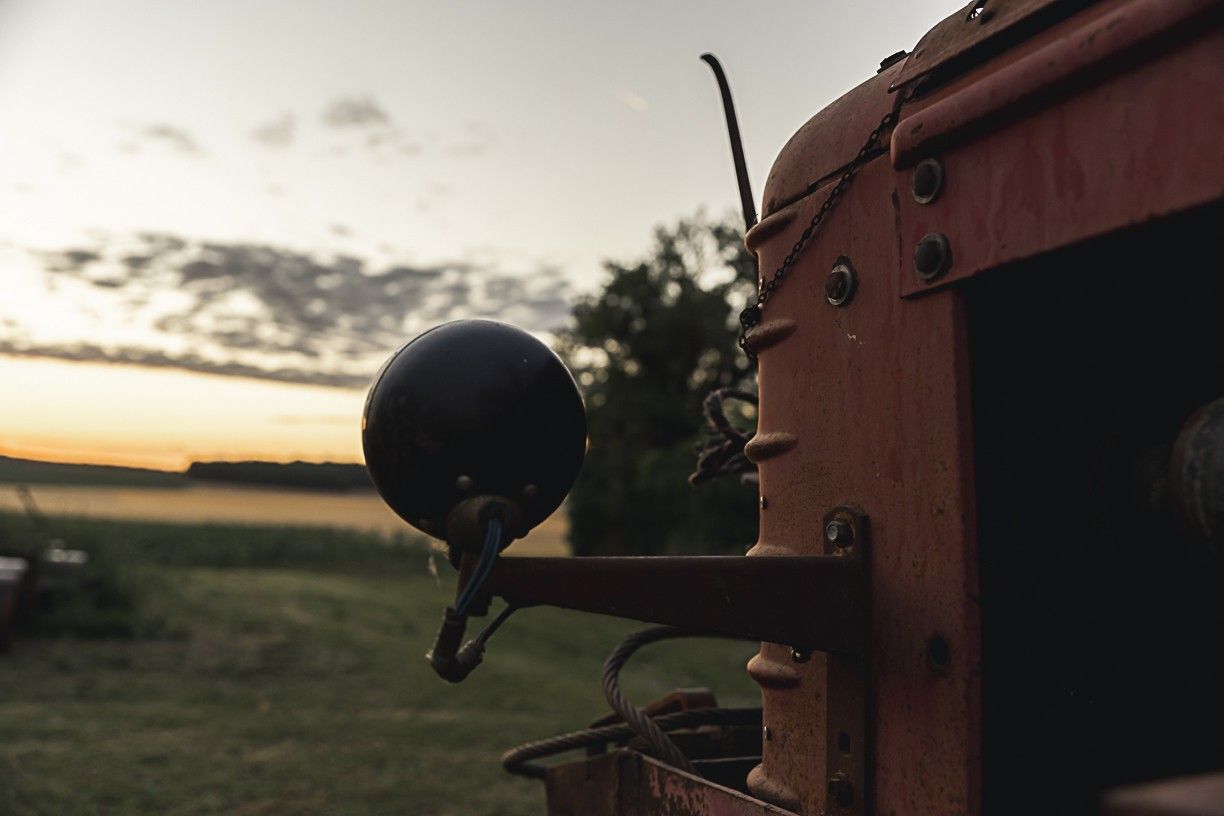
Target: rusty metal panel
x=876 y=396
x=1035 y=72
x=1140 y=142
x=971 y=27
x=827 y=142
x=626 y=783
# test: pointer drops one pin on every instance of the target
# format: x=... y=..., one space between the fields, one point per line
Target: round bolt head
x=800 y=657
x=932 y=256
x=531 y=491
x=840 y=285
x=464 y=483
x=764 y=503
x=927 y=180
x=838 y=533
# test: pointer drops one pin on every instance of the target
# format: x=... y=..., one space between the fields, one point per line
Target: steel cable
x=518 y=760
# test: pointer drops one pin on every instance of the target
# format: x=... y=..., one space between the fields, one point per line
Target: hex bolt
x=841 y=790
x=932 y=256
x=839 y=534
x=927 y=181
x=840 y=285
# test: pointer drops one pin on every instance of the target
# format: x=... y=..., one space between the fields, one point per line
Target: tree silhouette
x=646 y=350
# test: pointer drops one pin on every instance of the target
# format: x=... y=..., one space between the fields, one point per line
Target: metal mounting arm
x=810 y=603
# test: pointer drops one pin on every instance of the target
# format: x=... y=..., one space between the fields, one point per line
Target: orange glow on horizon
x=164 y=419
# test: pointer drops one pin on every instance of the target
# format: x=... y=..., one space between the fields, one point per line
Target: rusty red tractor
x=990 y=346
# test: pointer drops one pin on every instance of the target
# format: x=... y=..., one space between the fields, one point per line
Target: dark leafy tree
x=646 y=350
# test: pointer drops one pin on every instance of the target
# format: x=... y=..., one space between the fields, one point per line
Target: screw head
x=838 y=533
x=927 y=180
x=840 y=285
x=932 y=256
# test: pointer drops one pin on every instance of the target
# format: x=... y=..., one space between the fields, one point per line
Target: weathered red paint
x=1088 y=159
x=625 y=783
x=973 y=27
x=1107 y=118
x=874 y=394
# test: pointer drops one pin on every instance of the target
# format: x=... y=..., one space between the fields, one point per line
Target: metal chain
x=752 y=315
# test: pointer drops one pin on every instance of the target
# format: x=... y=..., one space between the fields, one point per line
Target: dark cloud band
x=254 y=310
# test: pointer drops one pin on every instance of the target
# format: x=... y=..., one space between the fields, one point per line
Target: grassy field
x=280 y=671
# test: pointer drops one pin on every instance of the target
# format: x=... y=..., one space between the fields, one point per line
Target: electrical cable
x=488 y=556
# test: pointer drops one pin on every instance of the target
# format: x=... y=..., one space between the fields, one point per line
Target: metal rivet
x=840 y=790
x=766 y=733
x=464 y=483
x=530 y=491
x=932 y=256
x=839 y=533
x=927 y=180
x=800 y=657
x=764 y=503
x=840 y=285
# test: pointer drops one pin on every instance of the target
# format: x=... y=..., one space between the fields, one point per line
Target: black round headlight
x=473 y=408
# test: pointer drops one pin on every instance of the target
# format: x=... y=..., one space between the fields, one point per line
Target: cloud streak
x=355 y=112
x=278 y=133
x=155 y=358
x=254 y=310
x=171 y=136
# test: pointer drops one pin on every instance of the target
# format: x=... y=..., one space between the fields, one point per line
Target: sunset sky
x=218 y=218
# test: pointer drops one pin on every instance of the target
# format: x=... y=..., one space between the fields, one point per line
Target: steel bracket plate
x=846 y=716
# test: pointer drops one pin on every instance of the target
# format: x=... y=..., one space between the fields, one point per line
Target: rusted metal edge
x=625 y=782
x=975 y=28
x=768 y=226
x=770 y=673
x=768 y=445
x=773 y=790
x=769 y=333
x=1037 y=77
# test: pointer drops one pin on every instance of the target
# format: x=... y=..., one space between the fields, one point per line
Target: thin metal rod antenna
x=737 y=145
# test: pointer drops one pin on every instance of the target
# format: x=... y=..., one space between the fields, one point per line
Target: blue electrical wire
x=492 y=546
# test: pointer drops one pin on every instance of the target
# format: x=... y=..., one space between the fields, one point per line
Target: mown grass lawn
x=291 y=680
